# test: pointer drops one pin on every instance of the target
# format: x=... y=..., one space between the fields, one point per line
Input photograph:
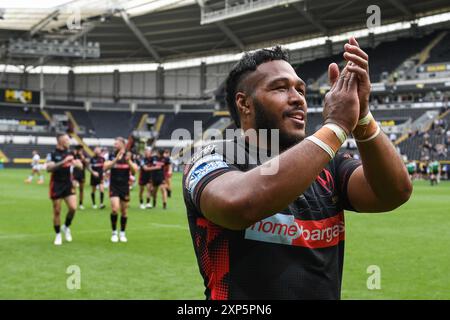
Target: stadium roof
x=162 y=30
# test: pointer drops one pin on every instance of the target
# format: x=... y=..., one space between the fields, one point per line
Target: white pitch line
x=28 y=235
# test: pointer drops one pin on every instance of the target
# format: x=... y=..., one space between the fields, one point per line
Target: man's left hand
x=358 y=62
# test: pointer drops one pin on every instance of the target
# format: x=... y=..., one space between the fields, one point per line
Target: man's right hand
x=341 y=104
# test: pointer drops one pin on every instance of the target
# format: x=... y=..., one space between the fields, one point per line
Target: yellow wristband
x=366 y=129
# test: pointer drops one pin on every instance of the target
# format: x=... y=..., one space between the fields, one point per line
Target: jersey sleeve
x=344 y=165
x=201 y=171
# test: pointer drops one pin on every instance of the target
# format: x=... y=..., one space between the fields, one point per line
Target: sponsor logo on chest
x=286 y=229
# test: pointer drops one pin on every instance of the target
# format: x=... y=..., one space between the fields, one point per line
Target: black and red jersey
x=97 y=163
x=297 y=253
x=159 y=162
x=120 y=172
x=63 y=174
x=145 y=162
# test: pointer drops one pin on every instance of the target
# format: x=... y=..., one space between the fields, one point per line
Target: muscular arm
x=382 y=182
x=53 y=166
x=133 y=167
x=236 y=199
x=109 y=164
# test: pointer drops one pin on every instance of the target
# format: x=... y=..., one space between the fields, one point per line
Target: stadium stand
x=441 y=52
x=23 y=151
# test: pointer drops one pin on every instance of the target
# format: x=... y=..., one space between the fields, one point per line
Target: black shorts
x=144 y=179
x=95 y=181
x=61 y=190
x=78 y=175
x=157 y=181
x=123 y=192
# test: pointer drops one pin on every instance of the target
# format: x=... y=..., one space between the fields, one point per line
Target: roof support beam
x=310 y=17
x=45 y=21
x=400 y=6
x=140 y=36
x=230 y=34
x=338 y=9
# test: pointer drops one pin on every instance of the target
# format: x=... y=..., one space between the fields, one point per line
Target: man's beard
x=264 y=121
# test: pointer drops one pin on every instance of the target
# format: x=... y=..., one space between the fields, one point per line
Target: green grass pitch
x=411 y=246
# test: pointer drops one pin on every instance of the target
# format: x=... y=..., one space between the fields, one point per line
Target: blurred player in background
x=121 y=165
x=79 y=174
x=145 y=179
x=158 y=178
x=35 y=168
x=434 y=172
x=96 y=164
x=60 y=163
x=168 y=172
x=412 y=168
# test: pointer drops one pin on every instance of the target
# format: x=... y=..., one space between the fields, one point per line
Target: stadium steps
x=76 y=127
x=46 y=116
x=425 y=53
x=159 y=123
x=141 y=123
x=80 y=141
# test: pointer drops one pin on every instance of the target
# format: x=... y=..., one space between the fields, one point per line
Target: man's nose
x=296 y=97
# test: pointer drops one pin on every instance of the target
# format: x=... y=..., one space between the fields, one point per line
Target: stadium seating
x=23 y=151
x=441 y=52
x=184 y=121
x=20 y=113
x=387 y=56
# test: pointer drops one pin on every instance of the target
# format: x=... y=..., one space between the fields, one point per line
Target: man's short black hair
x=248 y=63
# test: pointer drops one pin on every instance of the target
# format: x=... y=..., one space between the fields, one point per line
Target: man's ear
x=242 y=103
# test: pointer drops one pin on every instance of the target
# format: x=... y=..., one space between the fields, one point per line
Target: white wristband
x=338 y=131
x=322 y=145
x=371 y=137
x=365 y=120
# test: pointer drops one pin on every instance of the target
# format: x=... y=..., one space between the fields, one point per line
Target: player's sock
x=148 y=200
x=123 y=223
x=57 y=229
x=69 y=219
x=141 y=201
x=114 y=221
x=101 y=197
x=164 y=205
x=93 y=198
x=154 y=203
x=169 y=193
